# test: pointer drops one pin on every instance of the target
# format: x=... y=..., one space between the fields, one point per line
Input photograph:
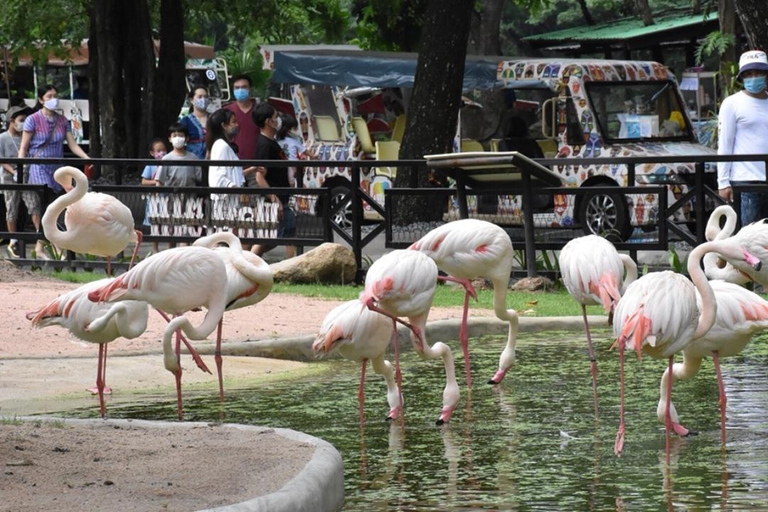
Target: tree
x=485 y=28
x=645 y=12
x=434 y=106
x=754 y=19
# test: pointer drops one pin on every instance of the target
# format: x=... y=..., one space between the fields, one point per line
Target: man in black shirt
x=268 y=120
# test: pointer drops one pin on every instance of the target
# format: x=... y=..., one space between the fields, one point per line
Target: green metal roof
x=622 y=30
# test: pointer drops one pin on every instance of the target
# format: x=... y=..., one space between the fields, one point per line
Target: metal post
x=530 y=242
x=461 y=194
x=699 y=206
x=357 y=214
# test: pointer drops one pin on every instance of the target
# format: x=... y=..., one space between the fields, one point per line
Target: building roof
x=626 y=30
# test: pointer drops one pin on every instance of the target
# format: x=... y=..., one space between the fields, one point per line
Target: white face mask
x=279 y=123
x=178 y=142
x=19 y=126
x=52 y=104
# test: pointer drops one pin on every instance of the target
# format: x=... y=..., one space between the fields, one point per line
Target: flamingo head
x=752 y=260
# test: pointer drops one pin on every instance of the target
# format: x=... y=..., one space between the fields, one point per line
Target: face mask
x=279 y=123
x=159 y=155
x=52 y=104
x=19 y=127
x=232 y=132
x=178 y=142
x=755 y=84
x=202 y=103
x=242 y=94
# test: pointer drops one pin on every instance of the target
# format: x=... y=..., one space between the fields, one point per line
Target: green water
x=531 y=443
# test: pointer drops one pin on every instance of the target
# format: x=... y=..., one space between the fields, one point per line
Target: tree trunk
x=587 y=15
x=486 y=27
x=645 y=11
x=436 y=99
x=727 y=20
x=754 y=19
x=169 y=85
x=94 y=132
x=106 y=21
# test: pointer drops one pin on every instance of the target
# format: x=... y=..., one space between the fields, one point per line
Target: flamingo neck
x=64 y=177
x=708 y=303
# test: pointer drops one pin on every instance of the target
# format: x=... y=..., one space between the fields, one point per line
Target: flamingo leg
x=106 y=390
x=667 y=415
x=177 y=374
x=218 y=360
x=463 y=336
x=398 y=374
x=723 y=399
x=140 y=237
x=198 y=360
x=99 y=379
x=592 y=358
x=360 y=394
x=370 y=305
x=618 y=445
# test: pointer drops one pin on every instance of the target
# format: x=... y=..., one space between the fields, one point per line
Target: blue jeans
x=754 y=206
x=287 y=226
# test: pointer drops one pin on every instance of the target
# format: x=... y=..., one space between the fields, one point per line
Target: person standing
x=171 y=172
x=222 y=129
x=157 y=150
x=10 y=142
x=267 y=148
x=243 y=108
x=196 y=120
x=43 y=137
x=743 y=130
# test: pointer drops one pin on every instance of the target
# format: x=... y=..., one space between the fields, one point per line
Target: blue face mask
x=242 y=94
x=755 y=84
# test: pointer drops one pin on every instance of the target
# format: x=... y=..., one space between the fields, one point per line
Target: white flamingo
x=359 y=334
x=740 y=314
x=249 y=281
x=175 y=281
x=593 y=273
x=714 y=266
x=402 y=284
x=96 y=223
x=658 y=315
x=469 y=249
x=76 y=313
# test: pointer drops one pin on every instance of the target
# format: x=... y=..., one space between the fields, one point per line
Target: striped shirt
x=40 y=126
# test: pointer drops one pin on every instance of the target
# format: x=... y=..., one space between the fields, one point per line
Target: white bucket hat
x=753 y=60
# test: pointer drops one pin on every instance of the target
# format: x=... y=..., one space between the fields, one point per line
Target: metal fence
x=180 y=215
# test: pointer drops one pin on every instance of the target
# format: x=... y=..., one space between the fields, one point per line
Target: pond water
x=530 y=444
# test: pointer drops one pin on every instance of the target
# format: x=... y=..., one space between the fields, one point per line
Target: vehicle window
x=638 y=110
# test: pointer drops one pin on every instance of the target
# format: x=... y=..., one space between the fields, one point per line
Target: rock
x=328 y=264
x=533 y=284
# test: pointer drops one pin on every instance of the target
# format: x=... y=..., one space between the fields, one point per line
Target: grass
x=555 y=303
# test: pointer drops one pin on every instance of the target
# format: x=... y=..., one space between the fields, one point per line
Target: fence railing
x=180 y=215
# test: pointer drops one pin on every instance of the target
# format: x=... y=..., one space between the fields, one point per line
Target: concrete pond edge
x=318 y=487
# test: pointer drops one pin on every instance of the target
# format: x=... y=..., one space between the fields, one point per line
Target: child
x=172 y=174
x=158 y=150
x=290 y=139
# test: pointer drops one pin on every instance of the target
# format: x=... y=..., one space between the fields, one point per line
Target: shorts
x=287 y=226
x=31 y=199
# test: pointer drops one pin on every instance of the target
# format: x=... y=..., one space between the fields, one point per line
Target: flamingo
x=593 y=273
x=403 y=283
x=249 y=281
x=658 y=315
x=468 y=249
x=714 y=266
x=175 y=281
x=75 y=312
x=359 y=334
x=96 y=223
x=740 y=314
x=753 y=238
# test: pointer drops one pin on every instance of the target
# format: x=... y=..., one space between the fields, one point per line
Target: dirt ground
x=63 y=469
x=49 y=466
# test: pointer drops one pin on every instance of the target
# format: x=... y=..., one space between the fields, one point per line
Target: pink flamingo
x=96 y=223
x=468 y=249
x=658 y=315
x=175 y=280
x=75 y=312
x=403 y=283
x=359 y=334
x=249 y=281
x=593 y=273
x=714 y=266
x=740 y=314
x=753 y=238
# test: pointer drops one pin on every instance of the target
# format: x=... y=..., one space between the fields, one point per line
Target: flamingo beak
x=753 y=261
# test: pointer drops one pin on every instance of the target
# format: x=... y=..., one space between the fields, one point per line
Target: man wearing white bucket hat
x=743 y=130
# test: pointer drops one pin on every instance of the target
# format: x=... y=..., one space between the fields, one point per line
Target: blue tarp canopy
x=370 y=69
